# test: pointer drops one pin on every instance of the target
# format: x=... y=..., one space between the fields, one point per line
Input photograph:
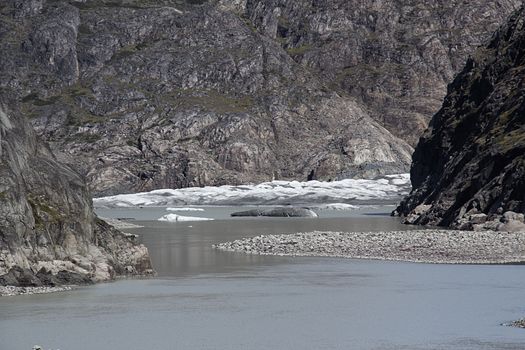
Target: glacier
x=386 y=188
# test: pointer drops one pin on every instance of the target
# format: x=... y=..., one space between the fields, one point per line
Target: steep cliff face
x=395 y=56
x=47 y=225
x=469 y=166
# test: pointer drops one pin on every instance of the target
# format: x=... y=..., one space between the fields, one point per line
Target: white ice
x=390 y=187
x=185 y=209
x=336 y=206
x=176 y=218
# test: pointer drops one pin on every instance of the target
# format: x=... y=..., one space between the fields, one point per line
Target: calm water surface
x=207 y=299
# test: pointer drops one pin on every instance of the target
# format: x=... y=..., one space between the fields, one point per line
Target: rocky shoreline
x=517 y=324
x=7 y=291
x=421 y=246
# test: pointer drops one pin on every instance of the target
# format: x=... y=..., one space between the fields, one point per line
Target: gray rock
x=518 y=324
x=279 y=212
x=511 y=216
x=18 y=276
x=47 y=219
x=472 y=158
x=141 y=95
x=395 y=56
x=63 y=278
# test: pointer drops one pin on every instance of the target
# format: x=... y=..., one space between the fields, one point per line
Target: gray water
x=207 y=299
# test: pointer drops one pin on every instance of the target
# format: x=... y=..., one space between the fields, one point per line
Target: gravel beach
x=422 y=246
x=12 y=290
x=517 y=324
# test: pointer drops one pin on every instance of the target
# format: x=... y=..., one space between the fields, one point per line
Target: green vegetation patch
x=83 y=29
x=36 y=101
x=134 y=4
x=510 y=141
x=127 y=51
x=209 y=100
x=299 y=50
x=80 y=117
x=31 y=105
x=85 y=137
x=370 y=70
x=43 y=213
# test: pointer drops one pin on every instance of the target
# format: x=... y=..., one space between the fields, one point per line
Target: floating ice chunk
x=337 y=206
x=185 y=209
x=177 y=218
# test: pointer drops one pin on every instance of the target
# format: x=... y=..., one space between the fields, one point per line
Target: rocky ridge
x=139 y=95
x=469 y=167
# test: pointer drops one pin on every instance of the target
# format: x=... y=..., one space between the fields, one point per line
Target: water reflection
x=185 y=248
x=208 y=299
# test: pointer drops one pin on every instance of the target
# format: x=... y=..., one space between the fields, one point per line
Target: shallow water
x=207 y=299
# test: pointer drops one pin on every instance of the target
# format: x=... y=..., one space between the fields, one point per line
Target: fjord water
x=207 y=299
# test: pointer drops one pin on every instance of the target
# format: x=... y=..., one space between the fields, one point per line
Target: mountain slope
x=470 y=163
x=397 y=57
x=140 y=96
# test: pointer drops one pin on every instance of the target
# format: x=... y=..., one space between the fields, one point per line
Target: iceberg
x=390 y=187
x=336 y=206
x=184 y=209
x=177 y=218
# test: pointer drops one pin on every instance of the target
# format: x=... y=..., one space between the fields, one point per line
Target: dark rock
x=63 y=278
x=471 y=160
x=278 y=212
x=18 y=276
x=518 y=324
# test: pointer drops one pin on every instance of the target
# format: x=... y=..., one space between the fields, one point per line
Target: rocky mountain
x=469 y=167
x=396 y=57
x=139 y=94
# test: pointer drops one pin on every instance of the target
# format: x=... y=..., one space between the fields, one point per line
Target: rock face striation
x=48 y=232
x=139 y=95
x=469 y=167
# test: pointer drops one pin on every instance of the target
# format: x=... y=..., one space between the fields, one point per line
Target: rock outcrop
x=141 y=95
x=48 y=232
x=469 y=167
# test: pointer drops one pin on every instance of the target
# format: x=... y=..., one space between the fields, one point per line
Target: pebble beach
x=422 y=246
